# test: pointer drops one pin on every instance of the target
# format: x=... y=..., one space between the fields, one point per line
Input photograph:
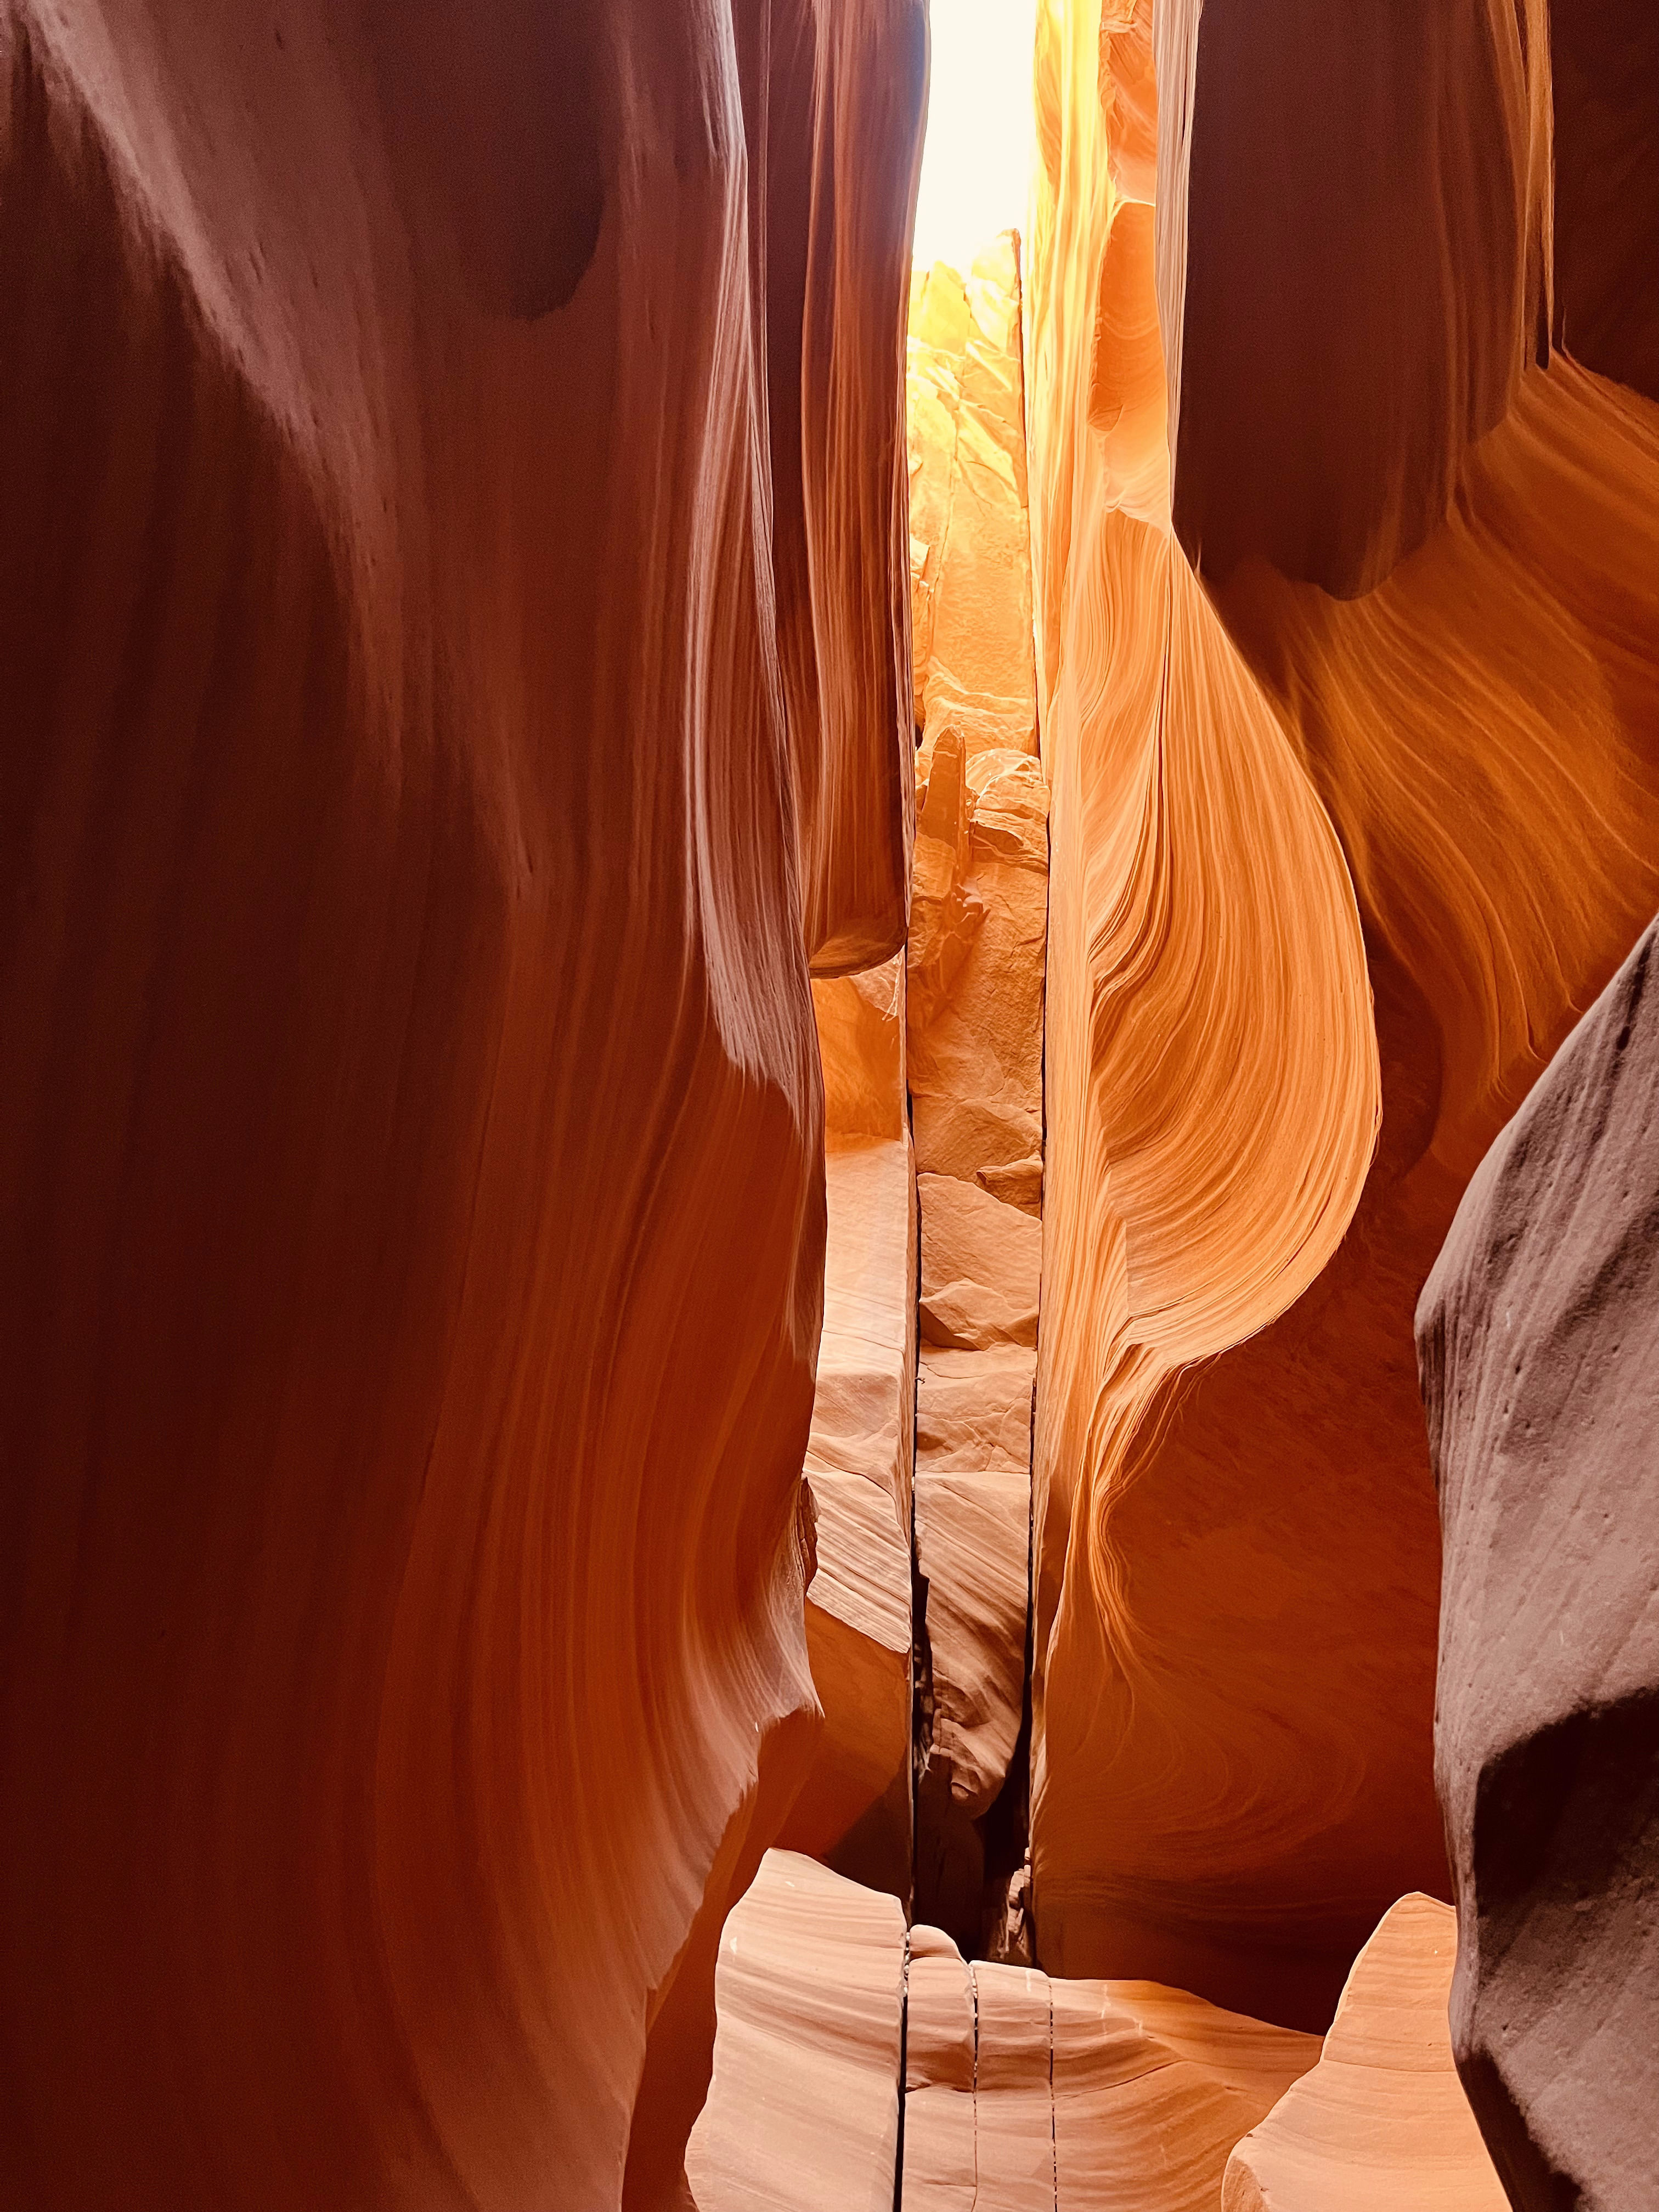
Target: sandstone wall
x=1366 y=841
x=454 y=608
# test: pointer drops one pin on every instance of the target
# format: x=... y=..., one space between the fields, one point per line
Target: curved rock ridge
x=1212 y=1090
x=428 y=769
x=1381 y=2123
x=1024 y=2093
x=1443 y=638
x=804 y=2108
x=1538 y=1337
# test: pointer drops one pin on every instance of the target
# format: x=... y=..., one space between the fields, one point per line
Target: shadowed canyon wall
x=1368 y=841
x=1537 y=1335
x=453 y=605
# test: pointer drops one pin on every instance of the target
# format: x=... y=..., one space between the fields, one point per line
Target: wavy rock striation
x=1538 y=1337
x=1030 y=2094
x=979 y=921
x=1358 y=816
x=1381 y=2124
x=453 y=606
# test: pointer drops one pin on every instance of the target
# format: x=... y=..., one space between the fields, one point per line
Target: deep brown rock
x=1538 y=1337
x=1453 y=768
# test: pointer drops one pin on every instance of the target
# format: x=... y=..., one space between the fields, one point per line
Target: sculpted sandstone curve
x=426 y=776
x=1449 y=625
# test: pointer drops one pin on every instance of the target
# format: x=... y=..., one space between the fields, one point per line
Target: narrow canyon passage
x=828 y=1195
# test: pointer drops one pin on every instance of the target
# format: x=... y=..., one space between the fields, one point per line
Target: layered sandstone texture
x=453 y=606
x=854 y=1804
x=971 y=563
x=802 y=2111
x=1538 y=1337
x=976 y=960
x=1028 y=2094
x=1381 y=2124
x=1350 y=723
x=1020 y=2094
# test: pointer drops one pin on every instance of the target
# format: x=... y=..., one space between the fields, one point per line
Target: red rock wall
x=425 y=777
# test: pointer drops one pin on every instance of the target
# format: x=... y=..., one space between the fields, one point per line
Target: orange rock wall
x=975 y=962
x=1212 y=1071
x=1361 y=817
x=426 y=774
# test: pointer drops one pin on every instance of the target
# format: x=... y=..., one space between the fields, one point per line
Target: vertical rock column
x=854 y=1807
x=979 y=919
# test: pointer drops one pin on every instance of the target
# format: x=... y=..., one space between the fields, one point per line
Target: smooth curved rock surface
x=426 y=775
x=1034 y=2094
x=1212 y=1091
x=1237 y=1552
x=1346 y=328
x=1381 y=2123
x=854 y=1803
x=1538 y=1337
x=804 y=2108
x=1604 y=74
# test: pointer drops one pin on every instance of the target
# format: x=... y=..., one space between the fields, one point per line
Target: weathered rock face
x=1538 y=1337
x=1381 y=2124
x=969 y=531
x=1370 y=837
x=855 y=1805
x=453 y=606
x=979 y=922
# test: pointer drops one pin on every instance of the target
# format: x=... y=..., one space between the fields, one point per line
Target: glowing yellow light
x=976 y=162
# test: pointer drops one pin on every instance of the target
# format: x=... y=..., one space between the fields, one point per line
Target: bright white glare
x=976 y=161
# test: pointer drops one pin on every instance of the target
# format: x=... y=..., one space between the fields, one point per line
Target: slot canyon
x=829 y=1132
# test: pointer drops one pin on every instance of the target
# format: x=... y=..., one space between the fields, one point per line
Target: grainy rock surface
x=1538 y=1337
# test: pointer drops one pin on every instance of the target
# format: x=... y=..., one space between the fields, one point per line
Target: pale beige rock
x=939 y=2173
x=973 y=1543
x=1151 y=2088
x=862 y=1410
x=976 y=978
x=802 y=2109
x=861 y=1449
x=1024 y=2091
x=1013 y=2103
x=973 y=1410
x=1381 y=2124
x=979 y=930
x=972 y=1539
x=980 y=1262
